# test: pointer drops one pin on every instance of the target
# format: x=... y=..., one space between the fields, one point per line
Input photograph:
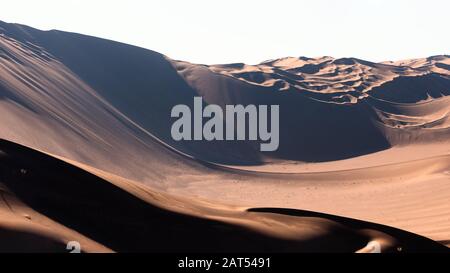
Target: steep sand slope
x=106 y=106
x=138 y=83
x=126 y=216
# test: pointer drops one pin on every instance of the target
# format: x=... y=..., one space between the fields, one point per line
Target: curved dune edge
x=65 y=203
x=439 y=163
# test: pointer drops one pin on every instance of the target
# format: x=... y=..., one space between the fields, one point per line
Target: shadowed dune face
x=14 y=241
x=310 y=130
x=110 y=214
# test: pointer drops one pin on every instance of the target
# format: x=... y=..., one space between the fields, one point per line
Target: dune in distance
x=87 y=156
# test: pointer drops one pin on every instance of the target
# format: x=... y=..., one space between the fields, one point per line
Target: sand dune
x=365 y=107
x=358 y=139
x=127 y=217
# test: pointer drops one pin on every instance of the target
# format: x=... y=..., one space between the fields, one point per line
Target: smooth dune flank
x=86 y=152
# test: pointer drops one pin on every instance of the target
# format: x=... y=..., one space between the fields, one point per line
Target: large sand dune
x=68 y=204
x=357 y=139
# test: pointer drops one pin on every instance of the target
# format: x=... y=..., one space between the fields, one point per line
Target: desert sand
x=86 y=152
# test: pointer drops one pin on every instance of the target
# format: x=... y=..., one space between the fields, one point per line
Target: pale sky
x=251 y=31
